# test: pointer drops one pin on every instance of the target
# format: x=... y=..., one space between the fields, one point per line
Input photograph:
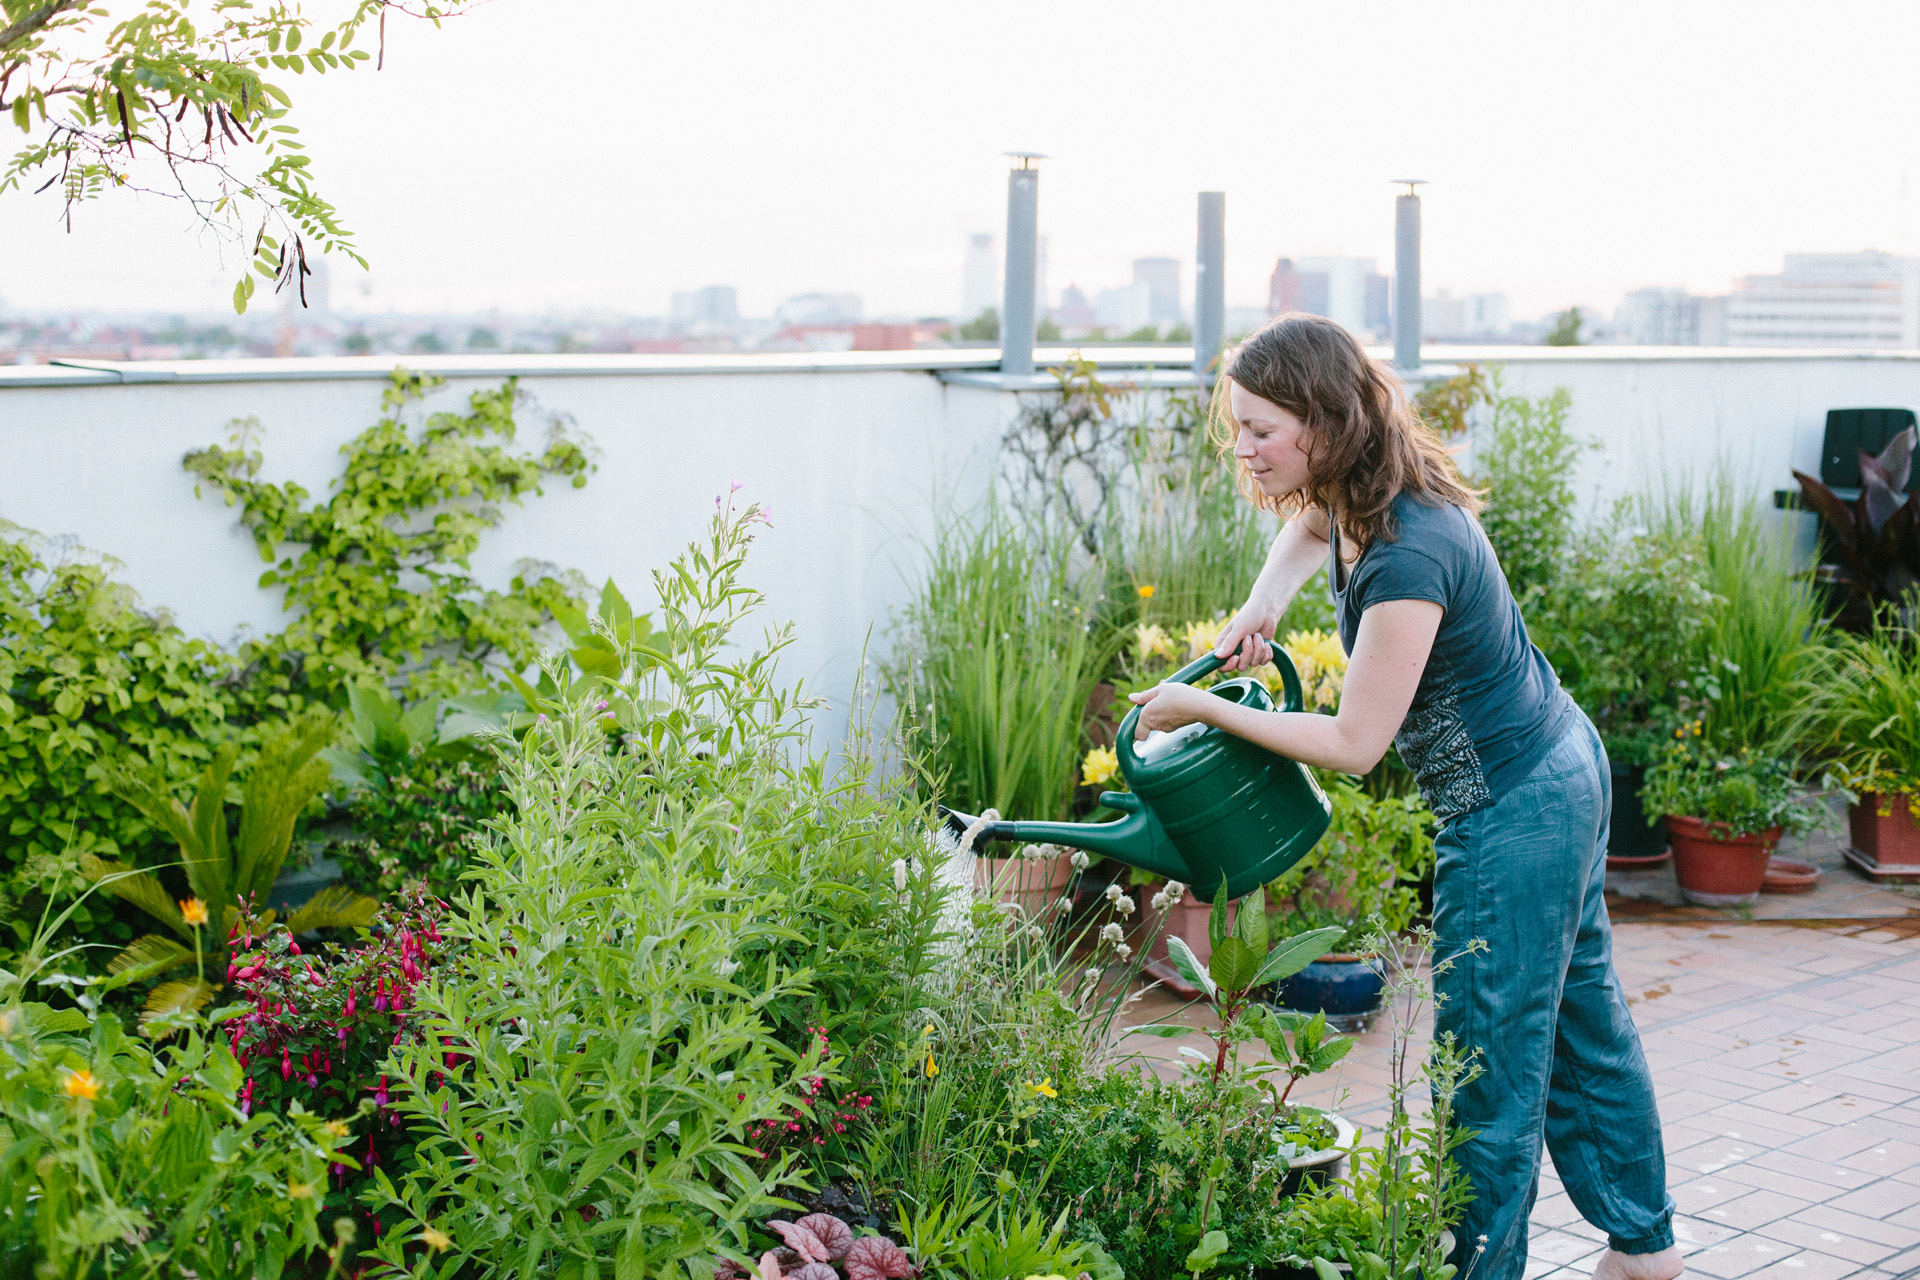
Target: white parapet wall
x=851 y=451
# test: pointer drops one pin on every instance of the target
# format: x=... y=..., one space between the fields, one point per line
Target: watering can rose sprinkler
x=1205 y=806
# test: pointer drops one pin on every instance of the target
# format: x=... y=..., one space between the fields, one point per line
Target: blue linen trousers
x=1542 y=1004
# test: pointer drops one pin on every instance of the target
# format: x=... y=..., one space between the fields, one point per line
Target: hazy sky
x=602 y=153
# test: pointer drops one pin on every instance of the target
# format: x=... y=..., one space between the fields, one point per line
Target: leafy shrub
x=1524 y=457
x=88 y=683
x=1870 y=715
x=611 y=970
x=312 y=1033
x=1738 y=794
x=1625 y=625
x=121 y=1158
x=1365 y=873
x=380 y=582
x=227 y=873
x=419 y=822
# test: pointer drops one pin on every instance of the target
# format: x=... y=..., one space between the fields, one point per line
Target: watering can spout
x=1135 y=838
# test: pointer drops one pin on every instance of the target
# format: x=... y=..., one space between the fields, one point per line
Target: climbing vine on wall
x=378 y=576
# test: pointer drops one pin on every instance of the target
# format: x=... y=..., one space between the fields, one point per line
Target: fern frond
x=148 y=956
x=178 y=997
x=334 y=907
x=138 y=887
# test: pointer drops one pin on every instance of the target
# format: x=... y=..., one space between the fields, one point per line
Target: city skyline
x=820 y=163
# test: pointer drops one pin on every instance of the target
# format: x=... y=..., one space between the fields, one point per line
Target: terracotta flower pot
x=1884 y=829
x=1033 y=884
x=1715 y=870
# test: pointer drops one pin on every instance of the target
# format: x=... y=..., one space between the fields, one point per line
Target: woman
x=1440 y=665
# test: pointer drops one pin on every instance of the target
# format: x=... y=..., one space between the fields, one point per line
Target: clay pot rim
x=1701 y=829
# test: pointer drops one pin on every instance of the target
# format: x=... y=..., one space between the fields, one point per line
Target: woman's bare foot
x=1664 y=1265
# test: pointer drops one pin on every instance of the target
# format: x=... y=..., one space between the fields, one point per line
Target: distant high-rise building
x=714 y=307
x=819 y=308
x=1867 y=299
x=1658 y=317
x=1125 y=309
x=1161 y=276
x=1349 y=291
x=980 y=275
x=1073 y=311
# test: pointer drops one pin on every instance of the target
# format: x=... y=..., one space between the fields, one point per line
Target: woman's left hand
x=1168 y=706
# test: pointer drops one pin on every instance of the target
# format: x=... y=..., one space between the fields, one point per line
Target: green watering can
x=1213 y=807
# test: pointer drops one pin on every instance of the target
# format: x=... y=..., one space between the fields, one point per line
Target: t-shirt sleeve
x=1395 y=571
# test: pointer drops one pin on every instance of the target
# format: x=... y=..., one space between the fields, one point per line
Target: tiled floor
x=1787 y=1061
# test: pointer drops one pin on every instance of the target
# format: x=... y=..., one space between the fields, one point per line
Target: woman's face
x=1272 y=442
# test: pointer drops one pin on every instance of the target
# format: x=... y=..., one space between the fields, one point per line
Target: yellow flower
x=1045 y=1088
x=1322 y=665
x=1151 y=642
x=435 y=1239
x=338 y=1128
x=193 y=911
x=1146 y=591
x=81 y=1084
x=1099 y=766
x=299 y=1190
x=932 y=1069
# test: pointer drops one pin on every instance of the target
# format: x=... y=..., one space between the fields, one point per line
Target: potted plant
x=1623 y=626
x=1362 y=876
x=1724 y=815
x=1870 y=723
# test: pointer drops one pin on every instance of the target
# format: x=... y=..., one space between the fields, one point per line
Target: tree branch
x=19 y=31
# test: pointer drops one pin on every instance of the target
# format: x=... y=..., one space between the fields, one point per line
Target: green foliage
x=1524 y=457
x=1566 y=329
x=381 y=583
x=1625 y=624
x=1001 y=655
x=1870 y=715
x=1366 y=869
x=228 y=873
x=99 y=104
x=616 y=968
x=1189 y=539
x=1875 y=540
x=117 y=1158
x=1760 y=653
x=1127 y=1157
x=89 y=683
x=1448 y=404
x=984 y=327
x=1738 y=793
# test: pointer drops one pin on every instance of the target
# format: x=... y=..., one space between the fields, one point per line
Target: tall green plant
x=89 y=682
x=380 y=580
x=1002 y=652
x=1524 y=457
x=228 y=873
x=1760 y=652
x=1869 y=715
x=627 y=957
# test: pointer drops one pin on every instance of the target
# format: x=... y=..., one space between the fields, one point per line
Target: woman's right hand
x=1247 y=640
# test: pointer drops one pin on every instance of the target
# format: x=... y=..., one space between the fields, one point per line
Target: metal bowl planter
x=1315 y=1167
x=1344 y=987
x=1715 y=870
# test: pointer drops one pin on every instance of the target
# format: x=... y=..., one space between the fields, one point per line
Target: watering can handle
x=1199 y=669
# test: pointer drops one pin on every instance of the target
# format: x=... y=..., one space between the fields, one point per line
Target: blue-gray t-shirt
x=1489 y=706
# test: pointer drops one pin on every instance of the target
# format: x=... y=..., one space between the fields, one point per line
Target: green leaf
x=1250 y=925
x=1217 y=930
x=1296 y=953
x=1211 y=1246
x=1160 y=1029
x=334 y=907
x=1188 y=966
x=1326 y=1270
x=1234 y=965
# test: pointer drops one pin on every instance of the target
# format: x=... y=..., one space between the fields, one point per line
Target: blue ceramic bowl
x=1337 y=988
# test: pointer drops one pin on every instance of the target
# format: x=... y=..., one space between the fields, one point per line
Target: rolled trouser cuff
x=1659 y=1240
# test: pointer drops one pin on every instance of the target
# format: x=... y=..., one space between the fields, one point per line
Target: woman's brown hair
x=1365 y=445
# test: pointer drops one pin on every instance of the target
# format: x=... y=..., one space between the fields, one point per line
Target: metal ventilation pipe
x=1023 y=241
x=1406 y=275
x=1210 y=284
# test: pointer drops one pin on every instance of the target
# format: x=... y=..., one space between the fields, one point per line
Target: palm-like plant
x=229 y=873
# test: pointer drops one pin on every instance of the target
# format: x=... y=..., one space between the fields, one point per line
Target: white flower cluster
x=1169 y=896
x=900 y=875
x=1117 y=899
x=1112 y=932
x=1080 y=860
